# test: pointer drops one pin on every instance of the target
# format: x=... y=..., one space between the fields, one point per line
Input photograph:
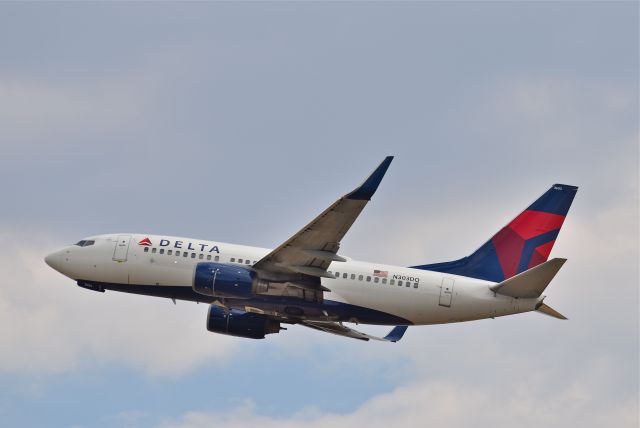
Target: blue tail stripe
x=531 y=245
x=556 y=200
x=483 y=264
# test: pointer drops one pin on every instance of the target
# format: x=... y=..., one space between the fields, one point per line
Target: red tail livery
x=522 y=244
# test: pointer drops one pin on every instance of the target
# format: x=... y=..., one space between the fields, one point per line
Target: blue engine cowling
x=238 y=323
x=222 y=280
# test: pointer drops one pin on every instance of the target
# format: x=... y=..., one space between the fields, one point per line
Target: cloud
x=48 y=325
x=503 y=403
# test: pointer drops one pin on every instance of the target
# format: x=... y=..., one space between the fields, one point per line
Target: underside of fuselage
x=288 y=309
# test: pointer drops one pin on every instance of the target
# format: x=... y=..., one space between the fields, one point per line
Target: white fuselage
x=418 y=296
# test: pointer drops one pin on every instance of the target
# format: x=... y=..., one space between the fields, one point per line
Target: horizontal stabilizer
x=530 y=283
x=547 y=310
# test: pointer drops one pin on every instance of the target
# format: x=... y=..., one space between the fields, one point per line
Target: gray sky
x=239 y=123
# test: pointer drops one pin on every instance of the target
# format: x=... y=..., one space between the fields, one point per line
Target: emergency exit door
x=446 y=292
x=122 y=248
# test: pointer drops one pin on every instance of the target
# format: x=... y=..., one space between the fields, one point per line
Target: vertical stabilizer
x=522 y=244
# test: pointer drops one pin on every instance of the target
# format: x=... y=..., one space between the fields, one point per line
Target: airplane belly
x=404 y=302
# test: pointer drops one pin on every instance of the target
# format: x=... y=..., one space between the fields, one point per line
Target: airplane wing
x=337 y=328
x=304 y=258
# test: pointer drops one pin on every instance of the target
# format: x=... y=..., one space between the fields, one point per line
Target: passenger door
x=122 y=248
x=446 y=292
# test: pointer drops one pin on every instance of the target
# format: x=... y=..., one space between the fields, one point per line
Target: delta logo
x=146 y=242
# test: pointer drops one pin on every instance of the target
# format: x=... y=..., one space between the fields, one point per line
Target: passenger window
x=384 y=280
x=360 y=277
x=399 y=283
x=376 y=279
x=392 y=281
x=415 y=285
x=193 y=255
x=153 y=251
x=208 y=256
x=161 y=250
x=146 y=249
x=239 y=260
x=233 y=259
x=216 y=259
x=353 y=276
x=185 y=254
x=368 y=279
x=201 y=256
x=169 y=252
x=247 y=262
x=408 y=284
x=178 y=253
x=337 y=274
x=344 y=275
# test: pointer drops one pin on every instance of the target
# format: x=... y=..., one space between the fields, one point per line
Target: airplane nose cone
x=53 y=260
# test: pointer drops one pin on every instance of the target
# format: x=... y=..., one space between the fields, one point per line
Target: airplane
x=252 y=292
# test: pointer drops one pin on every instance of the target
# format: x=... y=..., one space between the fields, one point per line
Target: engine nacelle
x=238 y=323
x=222 y=280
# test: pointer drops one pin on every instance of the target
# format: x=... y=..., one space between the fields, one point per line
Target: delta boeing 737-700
x=253 y=291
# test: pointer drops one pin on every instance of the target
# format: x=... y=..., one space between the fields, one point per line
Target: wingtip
x=370 y=185
x=396 y=334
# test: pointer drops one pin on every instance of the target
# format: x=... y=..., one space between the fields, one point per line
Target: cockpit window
x=85 y=243
x=81 y=243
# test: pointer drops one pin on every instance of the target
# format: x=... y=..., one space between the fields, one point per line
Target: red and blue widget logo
x=146 y=242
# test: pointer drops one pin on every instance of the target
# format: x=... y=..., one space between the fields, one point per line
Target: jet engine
x=222 y=280
x=234 y=322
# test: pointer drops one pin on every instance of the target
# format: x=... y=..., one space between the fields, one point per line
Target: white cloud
x=504 y=403
x=48 y=325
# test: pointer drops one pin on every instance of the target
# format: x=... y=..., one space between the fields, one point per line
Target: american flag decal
x=381 y=273
x=146 y=242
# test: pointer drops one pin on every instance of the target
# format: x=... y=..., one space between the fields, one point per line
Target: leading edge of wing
x=370 y=185
x=306 y=256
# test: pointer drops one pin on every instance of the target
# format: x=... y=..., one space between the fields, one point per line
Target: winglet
x=396 y=334
x=370 y=185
